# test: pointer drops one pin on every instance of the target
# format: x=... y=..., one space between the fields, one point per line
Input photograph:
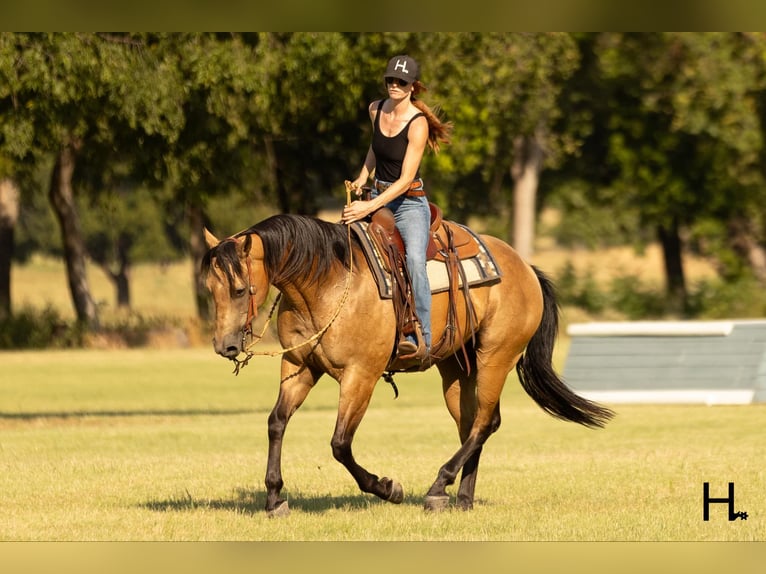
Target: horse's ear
x=245 y=244
x=210 y=239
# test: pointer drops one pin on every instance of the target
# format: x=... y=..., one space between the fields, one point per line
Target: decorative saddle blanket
x=479 y=266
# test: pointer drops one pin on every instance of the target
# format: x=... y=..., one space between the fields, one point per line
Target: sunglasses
x=402 y=83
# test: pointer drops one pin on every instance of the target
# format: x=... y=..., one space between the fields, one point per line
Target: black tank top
x=389 y=151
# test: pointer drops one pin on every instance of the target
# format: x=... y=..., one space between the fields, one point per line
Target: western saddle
x=449 y=243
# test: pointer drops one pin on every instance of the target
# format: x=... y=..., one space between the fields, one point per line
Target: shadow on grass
x=248 y=501
x=66 y=415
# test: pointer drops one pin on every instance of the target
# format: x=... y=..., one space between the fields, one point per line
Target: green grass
x=168 y=445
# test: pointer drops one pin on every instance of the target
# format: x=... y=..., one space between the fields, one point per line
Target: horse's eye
x=240 y=292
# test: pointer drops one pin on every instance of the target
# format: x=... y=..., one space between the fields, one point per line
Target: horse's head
x=237 y=280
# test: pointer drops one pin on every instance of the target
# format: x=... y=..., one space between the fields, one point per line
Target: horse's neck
x=295 y=298
x=315 y=302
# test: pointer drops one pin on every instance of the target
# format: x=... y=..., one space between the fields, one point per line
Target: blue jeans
x=413 y=220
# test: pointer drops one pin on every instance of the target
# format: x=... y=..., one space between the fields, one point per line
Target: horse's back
x=511 y=263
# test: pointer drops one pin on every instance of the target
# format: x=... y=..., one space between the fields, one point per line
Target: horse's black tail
x=538 y=377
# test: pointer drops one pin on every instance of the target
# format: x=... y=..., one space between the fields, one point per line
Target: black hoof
x=436 y=503
x=397 y=492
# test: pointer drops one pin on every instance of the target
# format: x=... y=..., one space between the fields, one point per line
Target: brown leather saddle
x=446 y=237
x=449 y=243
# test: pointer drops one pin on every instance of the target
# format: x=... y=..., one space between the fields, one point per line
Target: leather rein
x=252 y=311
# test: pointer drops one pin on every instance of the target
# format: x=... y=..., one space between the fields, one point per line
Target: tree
x=503 y=97
x=676 y=130
x=310 y=84
x=69 y=95
x=9 y=214
x=217 y=91
x=122 y=226
x=9 y=191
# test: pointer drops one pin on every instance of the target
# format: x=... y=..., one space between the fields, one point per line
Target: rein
x=252 y=312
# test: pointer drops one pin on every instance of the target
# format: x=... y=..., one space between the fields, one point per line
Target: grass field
x=168 y=445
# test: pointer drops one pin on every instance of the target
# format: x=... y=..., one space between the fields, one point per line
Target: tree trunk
x=675 y=280
x=121 y=277
x=277 y=190
x=198 y=249
x=62 y=199
x=117 y=271
x=497 y=199
x=527 y=164
x=743 y=240
x=9 y=215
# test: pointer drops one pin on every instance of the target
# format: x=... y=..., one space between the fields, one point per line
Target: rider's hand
x=355 y=211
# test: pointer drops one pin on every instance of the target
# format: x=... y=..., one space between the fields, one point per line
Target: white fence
x=708 y=362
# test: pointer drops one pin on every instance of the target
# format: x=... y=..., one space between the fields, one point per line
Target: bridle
x=252 y=313
x=252 y=306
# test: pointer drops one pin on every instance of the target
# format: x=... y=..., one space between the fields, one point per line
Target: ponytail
x=438 y=131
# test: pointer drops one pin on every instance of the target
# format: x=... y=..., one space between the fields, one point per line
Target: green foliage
x=630 y=297
x=671 y=127
x=495 y=87
x=37 y=230
x=639 y=130
x=236 y=212
x=635 y=300
x=131 y=217
x=595 y=217
x=626 y=295
x=582 y=292
x=739 y=298
x=39 y=329
x=32 y=328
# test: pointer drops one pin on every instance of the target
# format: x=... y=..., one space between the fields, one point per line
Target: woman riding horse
x=332 y=320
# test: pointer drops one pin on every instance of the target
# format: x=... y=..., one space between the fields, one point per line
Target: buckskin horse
x=331 y=319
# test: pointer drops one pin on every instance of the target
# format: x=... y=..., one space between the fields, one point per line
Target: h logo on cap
x=403 y=65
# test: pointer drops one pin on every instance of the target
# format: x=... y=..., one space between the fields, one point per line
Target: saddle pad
x=479 y=270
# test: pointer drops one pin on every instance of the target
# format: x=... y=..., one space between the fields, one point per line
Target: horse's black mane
x=296 y=248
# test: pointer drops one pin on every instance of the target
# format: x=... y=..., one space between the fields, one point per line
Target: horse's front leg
x=355 y=393
x=296 y=382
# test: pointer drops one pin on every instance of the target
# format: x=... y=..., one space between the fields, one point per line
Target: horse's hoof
x=280 y=510
x=436 y=503
x=397 y=493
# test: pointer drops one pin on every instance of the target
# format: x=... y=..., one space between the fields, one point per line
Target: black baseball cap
x=403 y=68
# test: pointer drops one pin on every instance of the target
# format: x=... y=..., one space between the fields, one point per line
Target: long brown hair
x=438 y=131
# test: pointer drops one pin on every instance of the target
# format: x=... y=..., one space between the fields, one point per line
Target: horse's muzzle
x=229 y=346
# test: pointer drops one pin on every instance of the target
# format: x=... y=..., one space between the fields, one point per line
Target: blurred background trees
x=118 y=148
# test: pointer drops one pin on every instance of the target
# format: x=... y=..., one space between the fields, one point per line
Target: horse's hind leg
x=295 y=385
x=459 y=390
x=460 y=395
x=355 y=394
x=478 y=416
x=465 y=493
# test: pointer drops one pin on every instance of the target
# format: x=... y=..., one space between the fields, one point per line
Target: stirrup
x=407 y=350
